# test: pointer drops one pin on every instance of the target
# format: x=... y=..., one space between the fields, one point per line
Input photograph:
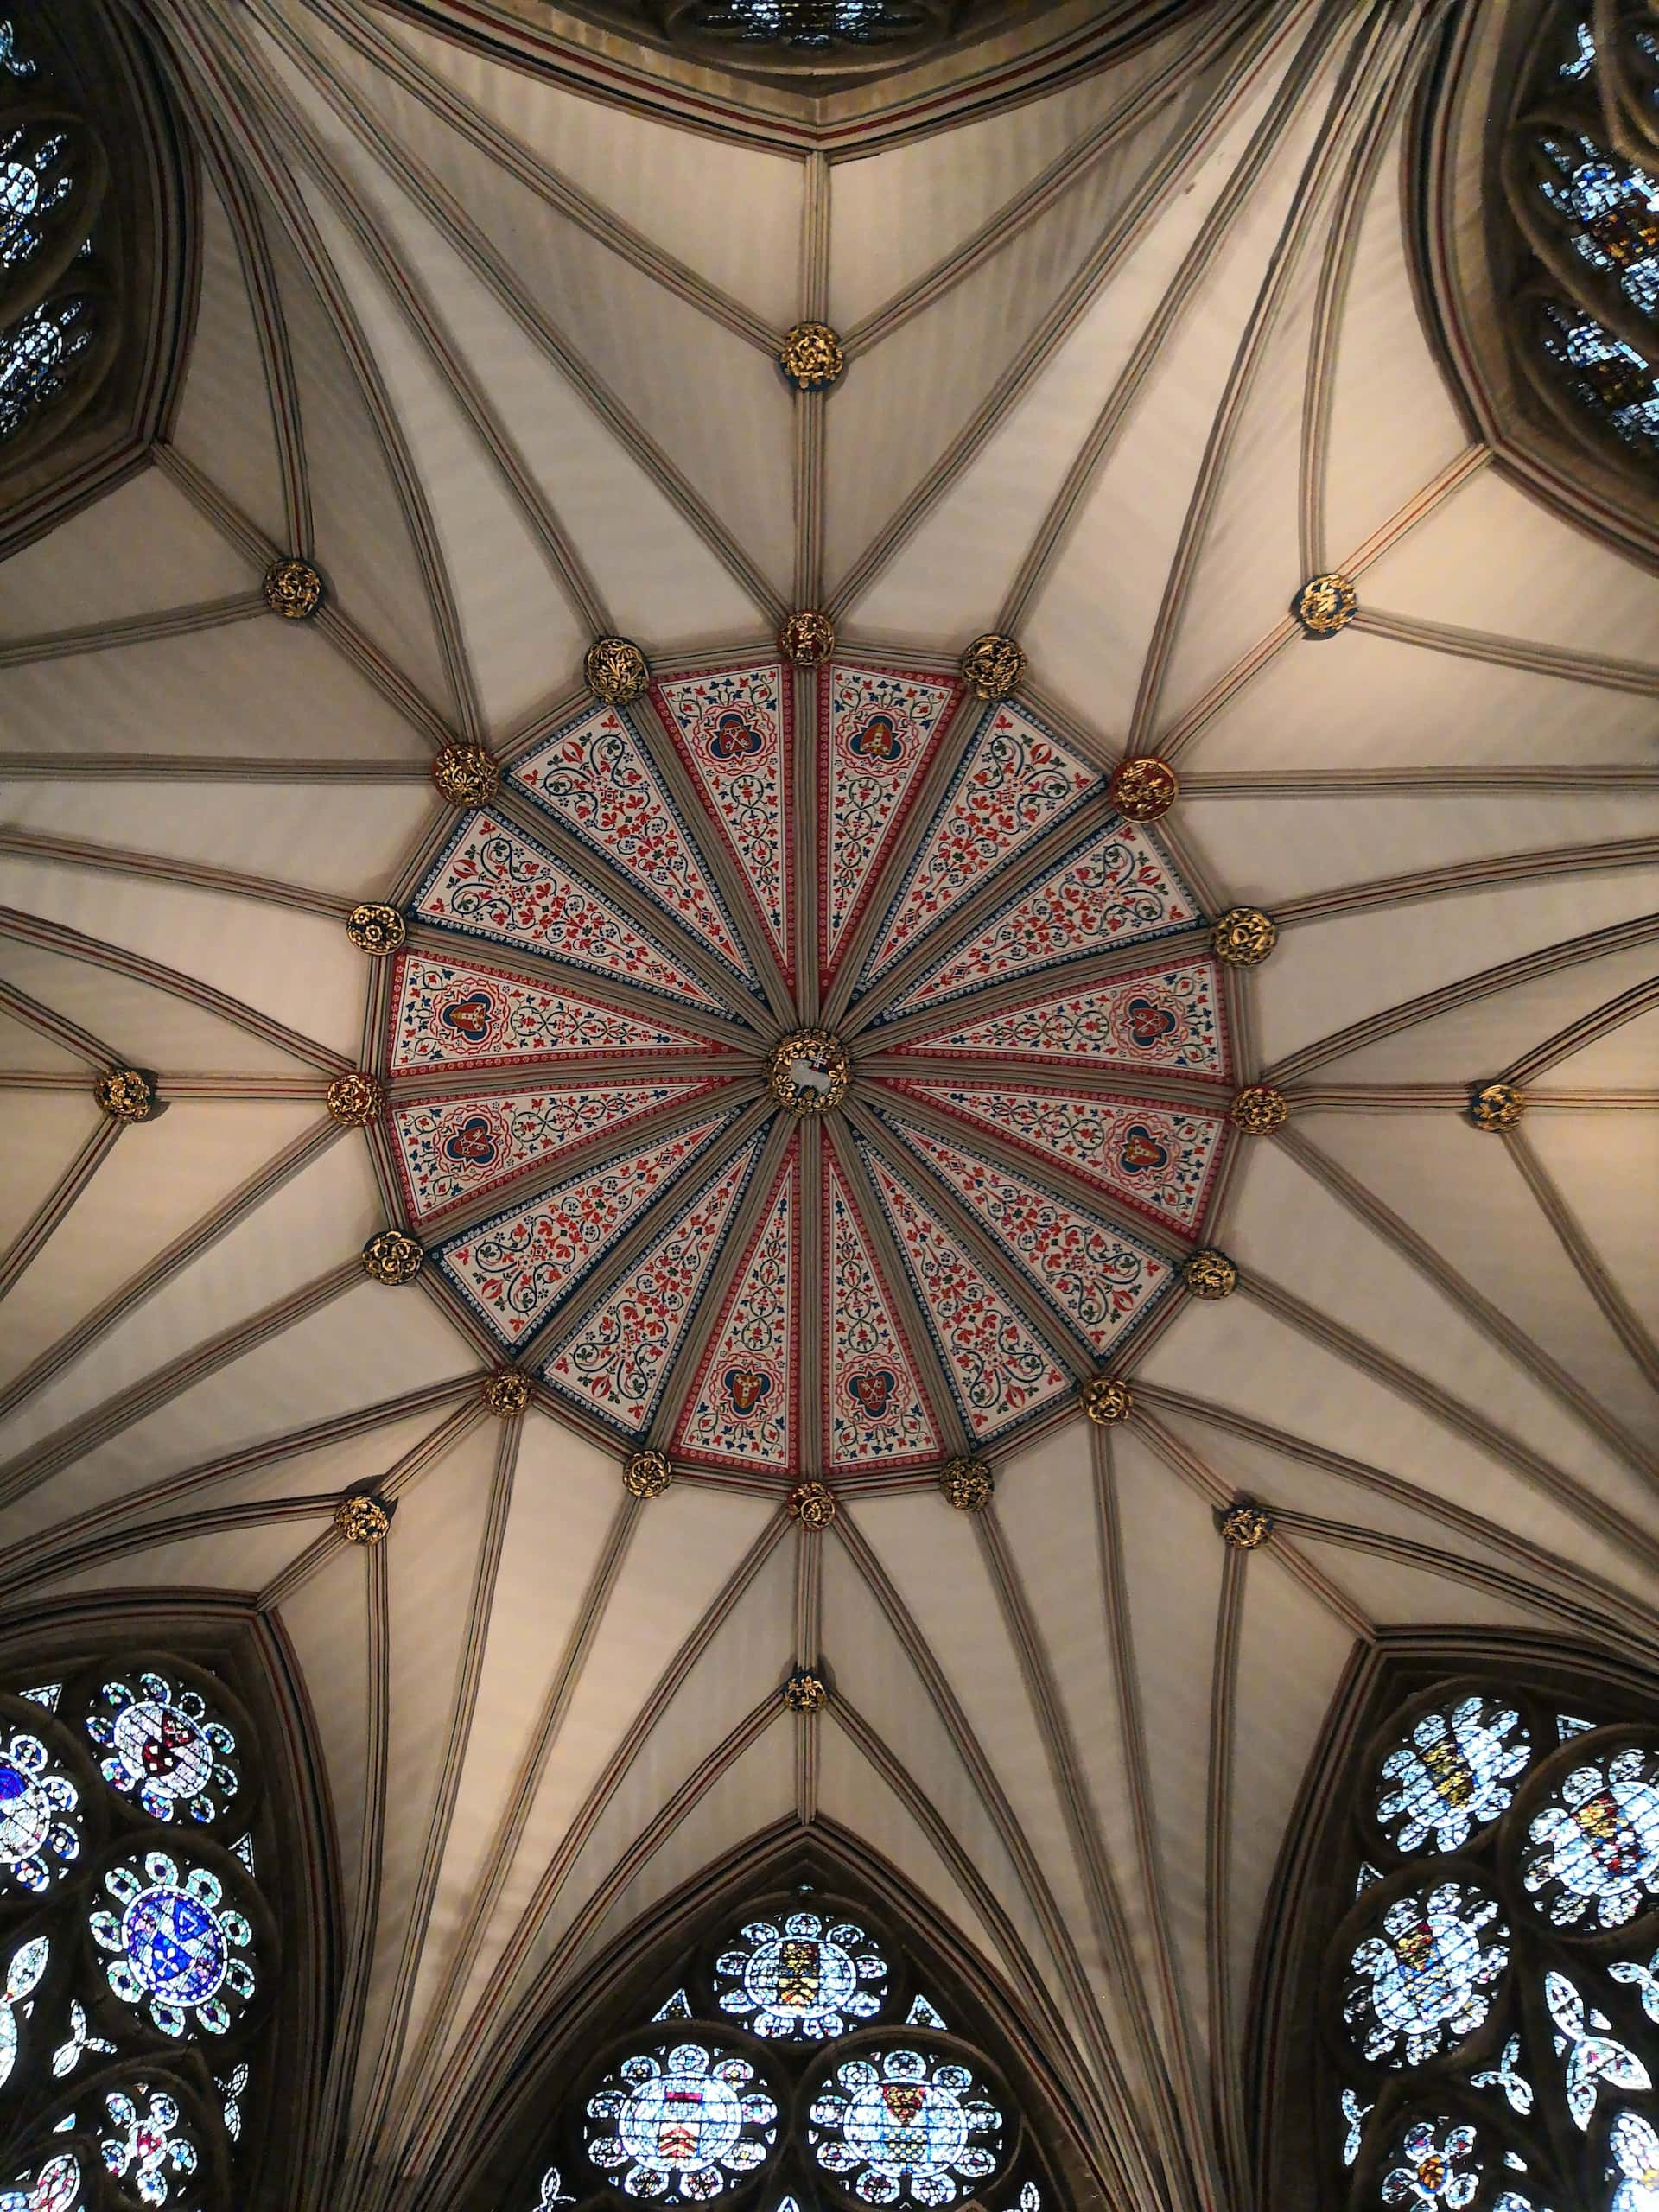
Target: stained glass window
x=907 y=2126
x=1492 y=1987
x=802 y=1975
x=56 y=331
x=681 y=2124
x=130 y=1933
x=794 y=2061
x=1592 y=219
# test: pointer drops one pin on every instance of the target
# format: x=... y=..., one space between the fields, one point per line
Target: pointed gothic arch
x=168 y=1946
x=695 y=1972
x=97 y=280
x=1455 y=2002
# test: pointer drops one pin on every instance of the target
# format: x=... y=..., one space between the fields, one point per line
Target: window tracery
x=796 y=2064
x=1491 y=1997
x=56 y=328
x=1589 y=218
x=138 y=1957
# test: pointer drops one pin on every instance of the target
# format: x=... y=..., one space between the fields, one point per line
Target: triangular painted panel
x=744 y=1409
x=1101 y=1279
x=878 y=732
x=515 y=1269
x=1166 y=1018
x=734 y=729
x=615 y=1360
x=1159 y=1160
x=1002 y=1370
x=452 y=1148
x=451 y=1013
x=595 y=776
x=876 y=1410
x=493 y=882
x=1016 y=781
x=1114 y=888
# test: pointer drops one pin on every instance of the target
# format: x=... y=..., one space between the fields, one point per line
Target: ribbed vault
x=1131 y=353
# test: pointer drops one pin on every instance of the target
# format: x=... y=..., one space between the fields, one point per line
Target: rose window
x=681 y=2124
x=713 y=992
x=905 y=2126
x=802 y=1976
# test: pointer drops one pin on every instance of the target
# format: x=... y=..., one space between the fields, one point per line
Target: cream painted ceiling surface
x=1128 y=362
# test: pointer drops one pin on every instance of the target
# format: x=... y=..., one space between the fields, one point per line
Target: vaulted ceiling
x=1131 y=355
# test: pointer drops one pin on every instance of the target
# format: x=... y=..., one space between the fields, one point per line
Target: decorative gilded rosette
x=808 y=1071
x=361 y=1520
x=616 y=671
x=355 y=1100
x=1245 y=1525
x=808 y=638
x=813 y=1504
x=1326 y=604
x=1105 y=1399
x=506 y=1392
x=1244 y=936
x=805 y=1692
x=392 y=1257
x=968 y=1484
x=647 y=1473
x=1495 y=1107
x=125 y=1094
x=811 y=357
x=1259 y=1110
x=376 y=929
x=466 y=775
x=1143 y=787
x=293 y=590
x=992 y=666
x=1210 y=1273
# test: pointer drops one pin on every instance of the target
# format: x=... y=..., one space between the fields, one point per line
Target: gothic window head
x=139 y=1954
x=1485 y=2011
x=799 y=2058
x=1585 y=210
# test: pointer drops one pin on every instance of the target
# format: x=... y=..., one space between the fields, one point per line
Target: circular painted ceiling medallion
x=776 y=1094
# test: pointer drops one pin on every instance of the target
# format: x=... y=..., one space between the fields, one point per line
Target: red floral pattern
x=1116 y=887
x=595 y=776
x=615 y=1361
x=743 y=1408
x=452 y=1149
x=1003 y=1371
x=1095 y=1274
x=882 y=732
x=876 y=1412
x=1017 y=781
x=1165 y=1017
x=1159 y=1159
x=453 y=1015
x=733 y=728
x=493 y=882
x=515 y=1269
